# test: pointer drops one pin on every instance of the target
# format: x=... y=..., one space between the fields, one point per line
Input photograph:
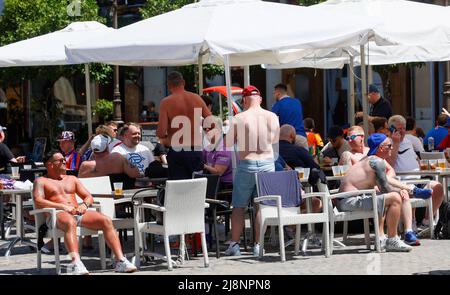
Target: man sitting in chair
x=57 y=190
x=372 y=171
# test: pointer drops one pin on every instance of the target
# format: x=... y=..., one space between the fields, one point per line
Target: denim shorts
x=244 y=184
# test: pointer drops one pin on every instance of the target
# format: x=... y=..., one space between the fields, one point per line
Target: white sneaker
x=383 y=240
x=397 y=245
x=125 y=266
x=77 y=268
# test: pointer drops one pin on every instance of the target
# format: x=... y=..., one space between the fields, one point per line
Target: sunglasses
x=63 y=160
x=354 y=136
x=389 y=146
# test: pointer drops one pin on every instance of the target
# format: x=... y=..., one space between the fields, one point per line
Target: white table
x=18 y=195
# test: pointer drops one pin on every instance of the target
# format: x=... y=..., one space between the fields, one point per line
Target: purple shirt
x=220 y=158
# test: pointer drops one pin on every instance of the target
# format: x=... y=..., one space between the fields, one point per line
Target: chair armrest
x=267 y=198
x=206 y=205
x=315 y=194
x=43 y=210
x=334 y=191
x=151 y=207
x=352 y=194
x=224 y=204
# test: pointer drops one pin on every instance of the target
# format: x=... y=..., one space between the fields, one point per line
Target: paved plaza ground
x=432 y=257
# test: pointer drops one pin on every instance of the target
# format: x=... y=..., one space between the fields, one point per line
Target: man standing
x=179 y=128
x=254 y=131
x=380 y=107
x=137 y=154
x=5 y=154
x=290 y=111
x=67 y=145
x=57 y=190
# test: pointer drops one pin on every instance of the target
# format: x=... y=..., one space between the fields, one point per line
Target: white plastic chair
x=432 y=155
x=54 y=233
x=345 y=216
x=183 y=213
x=421 y=203
x=289 y=215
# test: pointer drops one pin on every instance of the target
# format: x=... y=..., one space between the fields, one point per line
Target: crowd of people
x=192 y=140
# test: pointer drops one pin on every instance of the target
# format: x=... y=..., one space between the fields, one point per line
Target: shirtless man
x=179 y=128
x=105 y=163
x=355 y=138
x=372 y=171
x=58 y=190
x=255 y=131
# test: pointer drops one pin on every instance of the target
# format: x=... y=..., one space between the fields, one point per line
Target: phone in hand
x=392 y=128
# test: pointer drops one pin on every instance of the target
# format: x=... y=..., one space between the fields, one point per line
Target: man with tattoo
x=373 y=171
x=57 y=190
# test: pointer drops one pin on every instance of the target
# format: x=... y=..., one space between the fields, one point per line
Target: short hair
x=410 y=123
x=151 y=104
x=104 y=130
x=281 y=86
x=286 y=130
x=396 y=119
x=442 y=119
x=309 y=123
x=378 y=123
x=175 y=78
x=127 y=126
x=207 y=99
x=48 y=156
x=109 y=123
x=354 y=128
x=420 y=133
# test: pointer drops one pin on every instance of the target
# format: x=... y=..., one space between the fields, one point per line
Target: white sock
x=408 y=230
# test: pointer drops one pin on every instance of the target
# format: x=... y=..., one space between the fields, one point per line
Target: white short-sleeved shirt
x=139 y=156
x=406 y=158
x=416 y=143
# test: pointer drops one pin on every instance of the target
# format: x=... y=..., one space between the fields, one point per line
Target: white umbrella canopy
x=248 y=31
x=49 y=49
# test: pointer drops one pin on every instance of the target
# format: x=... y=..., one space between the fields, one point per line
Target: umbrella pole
x=200 y=74
x=364 y=92
x=230 y=107
x=246 y=76
x=88 y=98
x=351 y=93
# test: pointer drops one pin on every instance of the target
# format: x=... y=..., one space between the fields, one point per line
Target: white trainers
x=233 y=250
x=397 y=245
x=77 y=268
x=125 y=266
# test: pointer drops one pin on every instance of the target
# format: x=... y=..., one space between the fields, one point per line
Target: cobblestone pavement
x=432 y=257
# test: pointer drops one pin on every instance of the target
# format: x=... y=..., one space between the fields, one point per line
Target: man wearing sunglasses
x=355 y=138
x=403 y=158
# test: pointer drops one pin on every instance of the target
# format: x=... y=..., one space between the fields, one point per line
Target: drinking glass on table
x=15 y=171
x=433 y=164
x=423 y=164
x=301 y=172
x=441 y=163
x=118 y=188
x=344 y=169
x=336 y=170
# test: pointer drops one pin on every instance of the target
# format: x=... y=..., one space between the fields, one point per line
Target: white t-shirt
x=416 y=143
x=139 y=156
x=406 y=158
x=114 y=142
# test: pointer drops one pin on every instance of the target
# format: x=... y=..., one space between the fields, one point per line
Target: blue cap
x=373 y=88
x=374 y=142
x=447 y=124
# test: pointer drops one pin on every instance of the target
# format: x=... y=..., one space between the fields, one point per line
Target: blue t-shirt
x=290 y=111
x=438 y=133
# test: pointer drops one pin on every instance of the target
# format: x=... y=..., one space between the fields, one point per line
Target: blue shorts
x=244 y=184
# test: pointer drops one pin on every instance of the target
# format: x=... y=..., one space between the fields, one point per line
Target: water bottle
x=430 y=144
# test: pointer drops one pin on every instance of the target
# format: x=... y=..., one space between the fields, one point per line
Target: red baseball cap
x=250 y=90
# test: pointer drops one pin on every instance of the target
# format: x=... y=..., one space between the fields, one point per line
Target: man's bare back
x=182 y=103
x=113 y=163
x=255 y=131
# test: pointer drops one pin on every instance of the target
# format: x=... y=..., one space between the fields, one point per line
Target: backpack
x=442 y=229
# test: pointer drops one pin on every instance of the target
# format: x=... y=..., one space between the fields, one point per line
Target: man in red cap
x=179 y=128
x=254 y=131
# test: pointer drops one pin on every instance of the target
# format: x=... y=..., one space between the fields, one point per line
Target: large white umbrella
x=49 y=50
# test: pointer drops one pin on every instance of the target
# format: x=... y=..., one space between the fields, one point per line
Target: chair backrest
x=185 y=206
x=283 y=183
x=213 y=184
x=101 y=185
x=432 y=155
